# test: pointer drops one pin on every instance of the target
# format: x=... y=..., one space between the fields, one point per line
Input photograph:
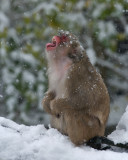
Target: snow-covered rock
x=120 y=135
x=20 y=142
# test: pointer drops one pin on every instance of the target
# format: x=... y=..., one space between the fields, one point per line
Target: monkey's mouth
x=55 y=42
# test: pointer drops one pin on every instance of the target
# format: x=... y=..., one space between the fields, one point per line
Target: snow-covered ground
x=20 y=142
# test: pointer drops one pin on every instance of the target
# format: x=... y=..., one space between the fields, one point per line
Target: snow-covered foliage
x=22 y=66
x=37 y=143
x=26 y=26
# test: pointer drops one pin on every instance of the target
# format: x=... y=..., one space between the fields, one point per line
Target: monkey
x=77 y=98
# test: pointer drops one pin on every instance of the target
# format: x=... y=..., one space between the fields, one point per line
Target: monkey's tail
x=103 y=143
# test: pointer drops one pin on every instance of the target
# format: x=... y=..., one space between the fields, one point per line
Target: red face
x=56 y=41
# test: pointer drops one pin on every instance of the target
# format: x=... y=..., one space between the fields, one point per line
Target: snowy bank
x=20 y=142
x=120 y=135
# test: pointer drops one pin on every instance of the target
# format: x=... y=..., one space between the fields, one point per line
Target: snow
x=117 y=108
x=97 y=12
x=77 y=18
x=120 y=135
x=12 y=33
x=106 y=29
x=28 y=77
x=20 y=142
x=3 y=21
x=118 y=9
x=91 y=54
x=1 y=96
x=80 y=5
x=47 y=7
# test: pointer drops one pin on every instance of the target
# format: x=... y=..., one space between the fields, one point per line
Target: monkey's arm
x=64 y=105
x=60 y=105
x=46 y=101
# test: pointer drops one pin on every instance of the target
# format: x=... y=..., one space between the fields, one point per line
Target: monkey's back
x=87 y=90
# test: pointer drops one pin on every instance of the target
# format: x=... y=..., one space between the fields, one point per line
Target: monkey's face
x=64 y=45
x=58 y=42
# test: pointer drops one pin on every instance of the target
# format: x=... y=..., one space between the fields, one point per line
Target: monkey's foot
x=103 y=143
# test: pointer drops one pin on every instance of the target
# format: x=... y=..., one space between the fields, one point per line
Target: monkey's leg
x=81 y=127
x=46 y=101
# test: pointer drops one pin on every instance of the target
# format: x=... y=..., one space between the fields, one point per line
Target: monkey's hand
x=59 y=106
x=46 y=101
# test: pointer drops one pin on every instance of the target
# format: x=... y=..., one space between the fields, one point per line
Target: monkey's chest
x=57 y=84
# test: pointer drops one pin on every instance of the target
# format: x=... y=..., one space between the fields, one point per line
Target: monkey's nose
x=56 y=39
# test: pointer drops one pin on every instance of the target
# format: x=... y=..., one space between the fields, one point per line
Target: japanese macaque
x=77 y=98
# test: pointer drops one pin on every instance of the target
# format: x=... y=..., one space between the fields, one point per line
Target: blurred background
x=27 y=25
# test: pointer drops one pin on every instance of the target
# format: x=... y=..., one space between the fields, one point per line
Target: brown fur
x=77 y=101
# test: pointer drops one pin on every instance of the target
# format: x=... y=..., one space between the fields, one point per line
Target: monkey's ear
x=75 y=55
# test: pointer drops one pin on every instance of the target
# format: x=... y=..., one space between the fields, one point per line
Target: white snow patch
x=28 y=77
x=117 y=108
x=45 y=6
x=7 y=76
x=28 y=58
x=106 y=29
x=4 y=22
x=120 y=135
x=1 y=96
x=38 y=143
x=119 y=9
x=12 y=33
x=91 y=54
x=5 y=5
x=76 y=17
x=10 y=89
x=98 y=9
x=10 y=103
x=80 y=5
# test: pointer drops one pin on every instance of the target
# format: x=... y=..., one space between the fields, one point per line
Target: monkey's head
x=64 y=45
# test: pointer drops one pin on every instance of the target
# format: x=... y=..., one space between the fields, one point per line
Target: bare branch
x=122 y=72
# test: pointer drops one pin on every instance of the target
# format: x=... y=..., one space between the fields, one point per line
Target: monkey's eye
x=63 y=38
x=71 y=56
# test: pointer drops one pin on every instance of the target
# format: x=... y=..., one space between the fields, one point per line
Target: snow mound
x=120 y=135
x=20 y=142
